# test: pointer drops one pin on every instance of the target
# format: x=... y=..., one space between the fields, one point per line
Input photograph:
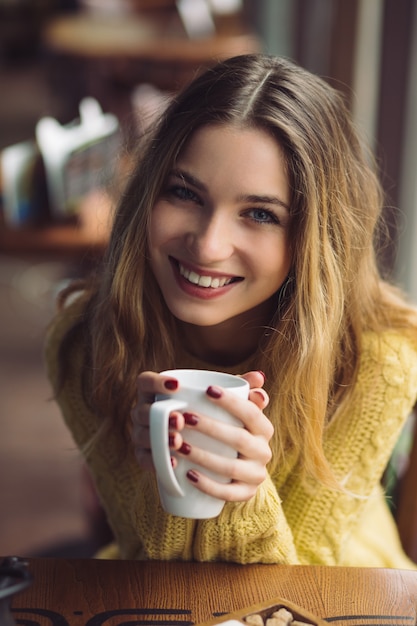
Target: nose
x=211 y=238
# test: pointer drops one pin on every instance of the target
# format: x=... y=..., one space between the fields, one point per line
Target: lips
x=203 y=280
x=207 y=281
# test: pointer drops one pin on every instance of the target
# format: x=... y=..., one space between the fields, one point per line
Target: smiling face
x=218 y=237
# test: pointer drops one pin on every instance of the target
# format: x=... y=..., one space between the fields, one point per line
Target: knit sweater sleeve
x=312 y=524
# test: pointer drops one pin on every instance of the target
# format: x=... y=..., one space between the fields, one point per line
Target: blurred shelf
x=83 y=237
x=66 y=242
x=136 y=49
x=141 y=38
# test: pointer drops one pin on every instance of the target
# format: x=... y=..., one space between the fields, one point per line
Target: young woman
x=244 y=243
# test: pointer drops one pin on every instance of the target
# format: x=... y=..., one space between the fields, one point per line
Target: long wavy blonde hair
x=333 y=292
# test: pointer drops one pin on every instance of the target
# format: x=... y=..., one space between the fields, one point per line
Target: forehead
x=237 y=133
x=235 y=154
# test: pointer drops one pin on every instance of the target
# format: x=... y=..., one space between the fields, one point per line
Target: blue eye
x=183 y=193
x=262 y=216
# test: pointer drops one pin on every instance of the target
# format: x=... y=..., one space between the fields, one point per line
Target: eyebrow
x=265 y=200
x=189 y=178
x=257 y=199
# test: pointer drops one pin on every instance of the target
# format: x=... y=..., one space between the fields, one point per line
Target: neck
x=223 y=345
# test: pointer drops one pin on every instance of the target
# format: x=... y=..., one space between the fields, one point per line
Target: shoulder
x=390 y=344
x=69 y=317
x=391 y=354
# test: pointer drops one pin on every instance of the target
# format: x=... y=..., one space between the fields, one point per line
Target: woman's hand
x=150 y=384
x=251 y=442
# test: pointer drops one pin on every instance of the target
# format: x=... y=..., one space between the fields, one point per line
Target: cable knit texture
x=288 y=521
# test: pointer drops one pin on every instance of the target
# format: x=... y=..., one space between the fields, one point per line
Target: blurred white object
x=148 y=102
x=196 y=18
x=107 y=7
x=225 y=7
x=76 y=155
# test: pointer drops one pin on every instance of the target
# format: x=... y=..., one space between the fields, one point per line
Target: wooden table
x=116 y=593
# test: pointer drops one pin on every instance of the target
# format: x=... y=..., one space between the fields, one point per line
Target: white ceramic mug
x=177 y=493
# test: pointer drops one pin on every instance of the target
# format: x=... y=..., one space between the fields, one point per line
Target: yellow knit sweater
x=286 y=521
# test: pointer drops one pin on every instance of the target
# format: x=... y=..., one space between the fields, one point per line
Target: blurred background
x=78 y=81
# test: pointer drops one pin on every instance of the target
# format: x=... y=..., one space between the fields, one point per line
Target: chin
x=198 y=320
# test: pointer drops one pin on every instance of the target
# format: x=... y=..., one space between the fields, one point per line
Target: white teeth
x=203 y=281
x=193 y=278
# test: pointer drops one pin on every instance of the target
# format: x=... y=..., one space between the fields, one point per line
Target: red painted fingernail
x=171 y=384
x=171 y=439
x=262 y=374
x=214 y=392
x=193 y=476
x=185 y=448
x=190 y=419
x=172 y=421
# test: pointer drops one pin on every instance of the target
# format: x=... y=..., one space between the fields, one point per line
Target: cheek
x=286 y=252
x=158 y=227
x=287 y=261
x=165 y=225
x=277 y=260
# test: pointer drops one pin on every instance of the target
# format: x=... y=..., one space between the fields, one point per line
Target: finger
x=140 y=414
x=246 y=444
x=259 y=397
x=142 y=447
x=255 y=378
x=144 y=459
x=141 y=435
x=247 y=412
x=175 y=440
x=230 y=492
x=151 y=383
x=148 y=385
x=230 y=468
x=248 y=447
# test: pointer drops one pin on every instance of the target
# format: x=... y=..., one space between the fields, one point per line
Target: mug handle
x=159 y=433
